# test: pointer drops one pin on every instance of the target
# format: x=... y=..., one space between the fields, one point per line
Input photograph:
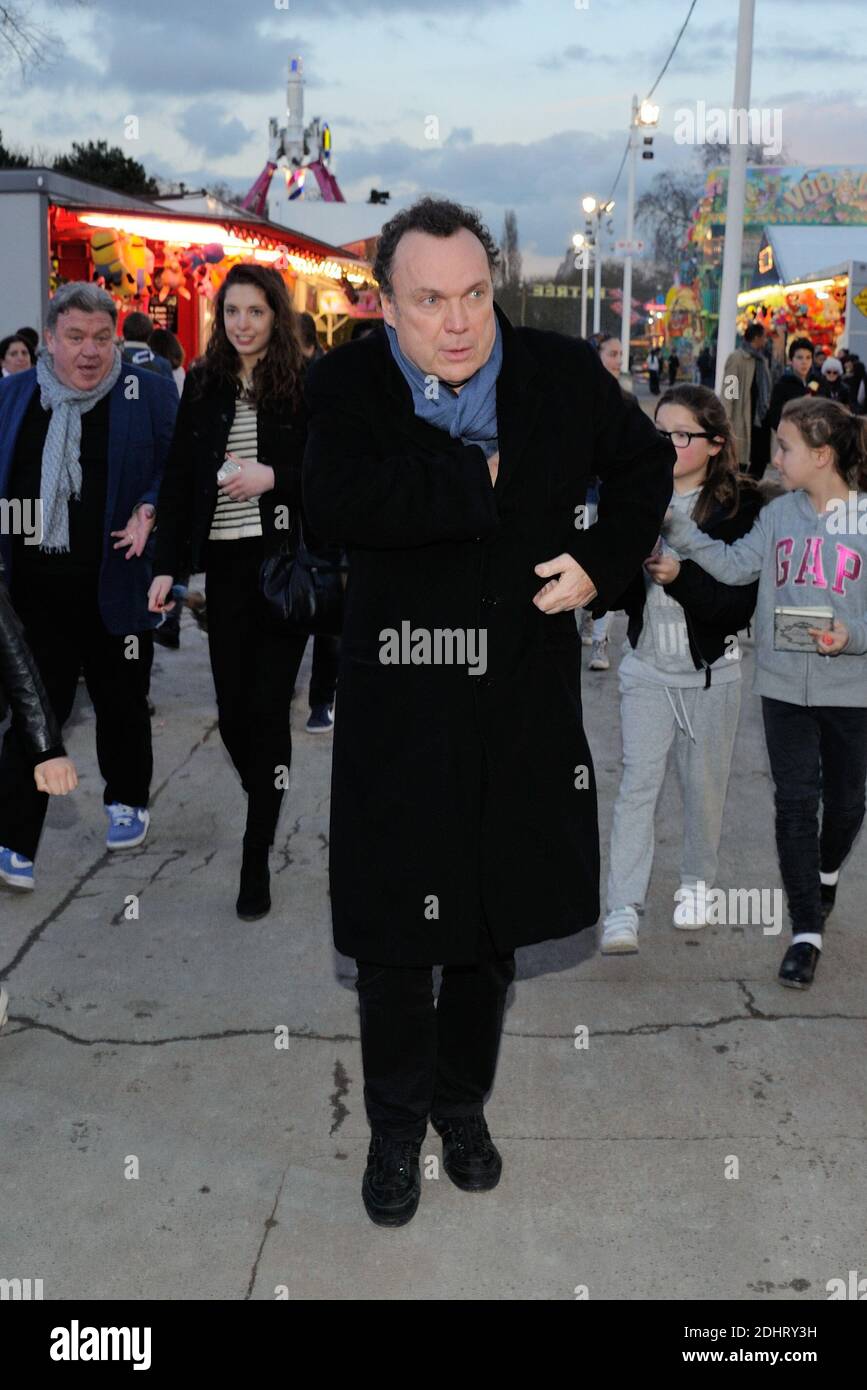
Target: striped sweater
x=233 y=521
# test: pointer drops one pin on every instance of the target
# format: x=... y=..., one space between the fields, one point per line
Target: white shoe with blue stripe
x=15 y=869
x=127 y=825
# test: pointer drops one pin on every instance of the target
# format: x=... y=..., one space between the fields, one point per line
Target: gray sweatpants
x=651 y=720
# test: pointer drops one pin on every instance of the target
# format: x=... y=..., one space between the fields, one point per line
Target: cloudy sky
x=532 y=97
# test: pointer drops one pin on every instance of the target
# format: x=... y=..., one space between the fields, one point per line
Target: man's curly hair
x=436 y=216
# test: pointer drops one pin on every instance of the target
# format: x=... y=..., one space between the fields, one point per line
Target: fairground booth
x=160 y=260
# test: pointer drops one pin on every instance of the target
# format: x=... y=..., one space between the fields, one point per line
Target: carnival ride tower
x=288 y=148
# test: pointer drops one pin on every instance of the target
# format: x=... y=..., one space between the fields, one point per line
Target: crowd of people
x=450 y=506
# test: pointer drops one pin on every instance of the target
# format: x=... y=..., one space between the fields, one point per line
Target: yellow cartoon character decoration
x=112 y=263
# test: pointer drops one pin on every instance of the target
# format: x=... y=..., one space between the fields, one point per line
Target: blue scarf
x=471 y=415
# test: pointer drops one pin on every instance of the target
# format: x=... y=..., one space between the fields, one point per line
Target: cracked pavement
x=223 y=1057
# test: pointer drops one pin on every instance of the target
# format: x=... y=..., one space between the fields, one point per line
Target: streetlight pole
x=644 y=114
x=584 y=254
x=626 y=326
x=597 y=281
x=734 y=233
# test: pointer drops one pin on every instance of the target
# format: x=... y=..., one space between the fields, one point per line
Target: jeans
x=420 y=1059
x=815 y=752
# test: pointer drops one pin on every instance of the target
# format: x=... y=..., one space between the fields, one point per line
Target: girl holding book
x=808 y=550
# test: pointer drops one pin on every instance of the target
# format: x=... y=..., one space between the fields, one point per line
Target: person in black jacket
x=451 y=453
x=23 y=694
x=680 y=673
x=232 y=479
x=795 y=381
x=833 y=386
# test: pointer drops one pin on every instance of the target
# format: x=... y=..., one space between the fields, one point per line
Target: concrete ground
x=150 y=1044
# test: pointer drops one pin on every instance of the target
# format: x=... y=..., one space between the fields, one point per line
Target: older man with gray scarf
x=83 y=440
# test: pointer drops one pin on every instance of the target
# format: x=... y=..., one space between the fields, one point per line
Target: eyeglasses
x=681 y=438
x=832 y=375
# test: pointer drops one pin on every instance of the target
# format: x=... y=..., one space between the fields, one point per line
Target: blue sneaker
x=127 y=825
x=321 y=720
x=15 y=869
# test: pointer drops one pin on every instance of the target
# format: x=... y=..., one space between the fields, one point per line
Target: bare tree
x=665 y=211
x=716 y=155
x=24 y=39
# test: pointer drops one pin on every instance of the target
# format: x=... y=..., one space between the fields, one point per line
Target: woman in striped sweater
x=241 y=404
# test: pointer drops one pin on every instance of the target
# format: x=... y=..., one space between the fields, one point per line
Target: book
x=791 y=627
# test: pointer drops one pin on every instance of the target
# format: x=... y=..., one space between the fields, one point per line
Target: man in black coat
x=451 y=453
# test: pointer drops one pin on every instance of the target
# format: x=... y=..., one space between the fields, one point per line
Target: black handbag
x=303 y=591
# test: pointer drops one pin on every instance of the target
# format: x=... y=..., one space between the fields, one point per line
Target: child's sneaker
x=15 y=869
x=599 y=656
x=127 y=825
x=620 y=932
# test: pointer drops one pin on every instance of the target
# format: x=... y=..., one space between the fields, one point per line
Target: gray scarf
x=61 y=464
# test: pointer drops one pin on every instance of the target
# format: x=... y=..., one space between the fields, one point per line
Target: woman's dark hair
x=436 y=216
x=723 y=482
x=164 y=343
x=800 y=345
x=821 y=421
x=6 y=343
x=277 y=377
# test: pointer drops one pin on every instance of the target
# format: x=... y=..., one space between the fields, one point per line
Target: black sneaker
x=469 y=1156
x=392 y=1182
x=168 y=635
x=829 y=897
x=799 y=965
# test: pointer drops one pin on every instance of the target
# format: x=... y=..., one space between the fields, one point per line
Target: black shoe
x=469 y=1156
x=799 y=965
x=392 y=1181
x=198 y=606
x=829 y=896
x=254 y=895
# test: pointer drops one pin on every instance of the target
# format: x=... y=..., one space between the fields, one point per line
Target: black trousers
x=254 y=665
x=421 y=1059
x=323 y=674
x=67 y=635
x=815 y=752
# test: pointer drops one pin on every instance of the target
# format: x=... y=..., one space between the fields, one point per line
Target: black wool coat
x=188 y=492
x=457 y=796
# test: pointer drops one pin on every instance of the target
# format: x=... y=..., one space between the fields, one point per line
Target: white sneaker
x=4 y=1006
x=691 y=910
x=620 y=932
x=599 y=656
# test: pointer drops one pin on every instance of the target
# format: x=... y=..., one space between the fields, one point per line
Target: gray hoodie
x=801 y=559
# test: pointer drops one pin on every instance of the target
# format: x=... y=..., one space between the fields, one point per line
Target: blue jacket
x=139 y=435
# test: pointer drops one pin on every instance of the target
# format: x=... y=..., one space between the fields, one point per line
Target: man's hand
x=56 y=776
x=494 y=467
x=161 y=587
x=663 y=569
x=137 y=530
x=253 y=479
x=572 y=589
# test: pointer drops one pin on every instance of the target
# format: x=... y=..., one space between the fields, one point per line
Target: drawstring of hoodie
x=685 y=727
